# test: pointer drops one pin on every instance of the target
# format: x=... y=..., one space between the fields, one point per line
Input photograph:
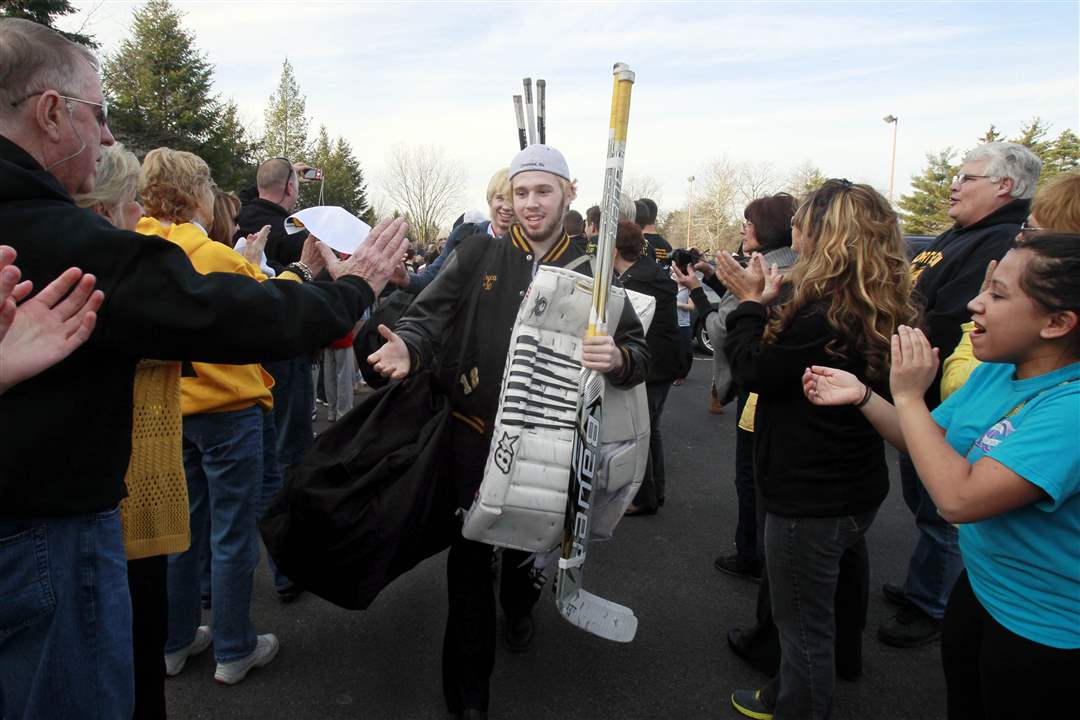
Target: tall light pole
x=689 y=209
x=894 y=121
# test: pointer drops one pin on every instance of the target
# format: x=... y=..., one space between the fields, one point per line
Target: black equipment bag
x=370 y=500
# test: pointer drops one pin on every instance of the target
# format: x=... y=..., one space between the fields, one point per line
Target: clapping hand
x=914 y=364
x=688 y=280
x=256 y=243
x=754 y=283
x=829 y=386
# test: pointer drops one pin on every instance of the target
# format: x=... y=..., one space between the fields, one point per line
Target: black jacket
x=66 y=434
x=949 y=272
x=281 y=247
x=434 y=324
x=658 y=249
x=809 y=461
x=663 y=338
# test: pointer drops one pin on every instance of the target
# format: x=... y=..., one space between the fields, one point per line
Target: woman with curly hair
x=821 y=471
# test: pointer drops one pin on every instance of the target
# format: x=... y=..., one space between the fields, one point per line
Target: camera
x=312 y=174
x=684 y=258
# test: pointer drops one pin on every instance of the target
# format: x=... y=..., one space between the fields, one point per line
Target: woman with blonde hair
x=821 y=471
x=154 y=515
x=227 y=431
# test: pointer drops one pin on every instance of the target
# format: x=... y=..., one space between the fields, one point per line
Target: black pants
x=469 y=642
x=995 y=674
x=746 y=531
x=149 y=627
x=651 y=493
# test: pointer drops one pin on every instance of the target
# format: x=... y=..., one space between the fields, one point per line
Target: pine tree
x=992 y=135
x=1033 y=136
x=1062 y=155
x=160 y=93
x=45 y=12
x=343 y=180
x=286 y=119
x=925 y=211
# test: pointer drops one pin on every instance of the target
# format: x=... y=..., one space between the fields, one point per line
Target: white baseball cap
x=540 y=157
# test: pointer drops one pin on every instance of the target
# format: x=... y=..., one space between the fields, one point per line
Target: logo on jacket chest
x=489 y=281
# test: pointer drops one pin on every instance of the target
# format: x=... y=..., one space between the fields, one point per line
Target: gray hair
x=35 y=58
x=627 y=208
x=116 y=180
x=1013 y=161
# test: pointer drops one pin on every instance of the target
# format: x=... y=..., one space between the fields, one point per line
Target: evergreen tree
x=925 y=211
x=160 y=93
x=343 y=180
x=286 y=119
x=45 y=12
x=992 y=135
x=1062 y=155
x=1033 y=136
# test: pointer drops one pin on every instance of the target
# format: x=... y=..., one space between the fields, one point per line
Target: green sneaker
x=748 y=702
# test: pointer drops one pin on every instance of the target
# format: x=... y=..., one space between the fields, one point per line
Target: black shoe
x=911 y=627
x=289 y=593
x=205 y=598
x=518 y=633
x=740 y=643
x=733 y=565
x=472 y=714
x=894 y=594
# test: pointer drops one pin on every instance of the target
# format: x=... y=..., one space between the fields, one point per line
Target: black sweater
x=281 y=247
x=66 y=434
x=663 y=339
x=950 y=271
x=809 y=461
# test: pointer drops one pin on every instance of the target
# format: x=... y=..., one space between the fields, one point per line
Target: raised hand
x=687 y=280
x=773 y=278
x=311 y=255
x=914 y=364
x=48 y=327
x=256 y=243
x=754 y=283
x=705 y=267
x=829 y=386
x=990 y=268
x=375 y=260
x=392 y=360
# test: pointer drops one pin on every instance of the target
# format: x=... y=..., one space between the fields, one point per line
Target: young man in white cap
x=499 y=271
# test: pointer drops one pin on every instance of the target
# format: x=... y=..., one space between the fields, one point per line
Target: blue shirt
x=1024 y=564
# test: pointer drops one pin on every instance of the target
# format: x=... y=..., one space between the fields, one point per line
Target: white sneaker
x=230 y=673
x=174 y=662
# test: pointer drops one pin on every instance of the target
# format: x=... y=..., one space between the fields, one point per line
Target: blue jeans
x=803 y=557
x=294 y=398
x=223 y=459
x=65 y=619
x=271 y=486
x=936 y=563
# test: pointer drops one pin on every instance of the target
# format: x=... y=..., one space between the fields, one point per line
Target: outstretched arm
x=829 y=386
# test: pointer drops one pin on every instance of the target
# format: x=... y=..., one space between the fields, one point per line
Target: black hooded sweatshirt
x=66 y=433
x=281 y=247
x=950 y=271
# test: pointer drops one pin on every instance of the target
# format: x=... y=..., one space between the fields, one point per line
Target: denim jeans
x=936 y=563
x=271 y=486
x=294 y=398
x=223 y=462
x=651 y=493
x=746 y=530
x=65 y=619
x=803 y=556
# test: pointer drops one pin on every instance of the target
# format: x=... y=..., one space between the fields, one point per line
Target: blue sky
x=783 y=83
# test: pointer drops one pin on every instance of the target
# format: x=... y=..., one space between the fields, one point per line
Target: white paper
x=334 y=225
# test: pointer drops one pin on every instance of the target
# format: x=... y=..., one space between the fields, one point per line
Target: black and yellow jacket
x=434 y=324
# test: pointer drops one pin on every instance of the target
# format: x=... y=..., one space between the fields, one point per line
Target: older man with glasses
x=989 y=200
x=65 y=612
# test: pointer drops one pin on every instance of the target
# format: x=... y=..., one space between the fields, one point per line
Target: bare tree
x=643 y=186
x=426 y=185
x=755 y=181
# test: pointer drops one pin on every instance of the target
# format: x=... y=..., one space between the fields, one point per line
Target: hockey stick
x=541 y=111
x=520 y=122
x=530 y=117
x=589 y=612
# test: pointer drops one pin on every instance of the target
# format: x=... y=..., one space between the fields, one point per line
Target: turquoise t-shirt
x=1024 y=565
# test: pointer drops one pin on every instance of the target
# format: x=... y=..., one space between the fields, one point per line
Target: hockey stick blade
x=598 y=616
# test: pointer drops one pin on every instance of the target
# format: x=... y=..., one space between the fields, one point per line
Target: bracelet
x=300 y=269
x=866 y=398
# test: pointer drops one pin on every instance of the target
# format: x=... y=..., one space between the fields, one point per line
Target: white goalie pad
x=522 y=499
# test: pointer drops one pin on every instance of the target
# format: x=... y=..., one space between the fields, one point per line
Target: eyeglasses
x=964 y=177
x=1025 y=228
x=102 y=108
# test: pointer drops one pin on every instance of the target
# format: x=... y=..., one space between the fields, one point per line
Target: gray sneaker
x=174 y=662
x=230 y=673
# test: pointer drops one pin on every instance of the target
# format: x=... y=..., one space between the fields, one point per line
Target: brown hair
x=771 y=217
x=629 y=241
x=171 y=184
x=226 y=205
x=1057 y=204
x=857 y=262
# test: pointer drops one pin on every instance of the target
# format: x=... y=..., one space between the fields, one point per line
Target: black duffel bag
x=371 y=499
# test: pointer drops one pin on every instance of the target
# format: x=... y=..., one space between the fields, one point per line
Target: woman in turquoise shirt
x=1001 y=458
